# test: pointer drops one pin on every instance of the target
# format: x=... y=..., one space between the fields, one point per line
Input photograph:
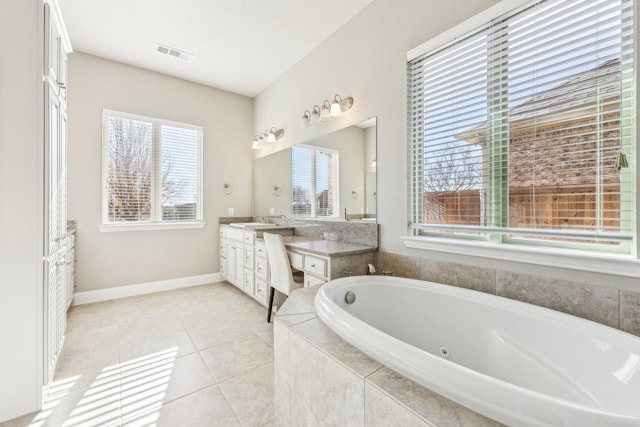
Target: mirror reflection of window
x=314 y=179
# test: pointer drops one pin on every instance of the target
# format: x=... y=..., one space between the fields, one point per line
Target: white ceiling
x=239 y=45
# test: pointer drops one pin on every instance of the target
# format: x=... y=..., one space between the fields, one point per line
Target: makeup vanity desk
x=244 y=261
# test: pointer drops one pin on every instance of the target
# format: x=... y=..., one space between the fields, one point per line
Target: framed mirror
x=329 y=177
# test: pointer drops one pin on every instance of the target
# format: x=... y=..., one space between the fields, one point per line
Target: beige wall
x=350 y=142
x=271 y=171
x=107 y=260
x=366 y=59
x=21 y=210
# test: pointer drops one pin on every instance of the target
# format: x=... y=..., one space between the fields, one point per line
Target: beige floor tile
x=204 y=408
x=134 y=362
x=83 y=367
x=133 y=346
x=235 y=357
x=92 y=406
x=251 y=395
x=211 y=334
x=265 y=331
x=150 y=382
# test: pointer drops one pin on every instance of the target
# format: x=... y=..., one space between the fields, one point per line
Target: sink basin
x=251 y=225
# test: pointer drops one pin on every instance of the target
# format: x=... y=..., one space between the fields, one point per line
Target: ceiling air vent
x=166 y=50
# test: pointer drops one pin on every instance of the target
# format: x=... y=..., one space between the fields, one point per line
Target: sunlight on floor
x=131 y=391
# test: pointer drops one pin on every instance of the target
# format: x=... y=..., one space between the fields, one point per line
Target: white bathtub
x=517 y=363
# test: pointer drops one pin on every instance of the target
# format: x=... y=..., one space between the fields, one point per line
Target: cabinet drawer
x=249 y=237
x=247 y=285
x=232 y=233
x=261 y=250
x=262 y=291
x=262 y=269
x=315 y=265
x=248 y=257
x=296 y=260
x=310 y=280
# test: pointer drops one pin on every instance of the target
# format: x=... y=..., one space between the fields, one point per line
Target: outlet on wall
x=231 y=212
x=272 y=211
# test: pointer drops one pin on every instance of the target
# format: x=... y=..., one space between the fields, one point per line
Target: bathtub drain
x=349 y=297
x=444 y=351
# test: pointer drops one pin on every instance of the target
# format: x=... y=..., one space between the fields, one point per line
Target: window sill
x=619 y=265
x=150 y=226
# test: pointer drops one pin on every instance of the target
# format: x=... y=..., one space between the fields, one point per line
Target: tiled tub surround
x=321 y=380
x=585 y=296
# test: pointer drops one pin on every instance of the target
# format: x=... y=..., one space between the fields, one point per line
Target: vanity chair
x=282 y=277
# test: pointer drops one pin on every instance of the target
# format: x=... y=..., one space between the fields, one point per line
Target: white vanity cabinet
x=242 y=264
x=261 y=269
x=233 y=256
x=245 y=264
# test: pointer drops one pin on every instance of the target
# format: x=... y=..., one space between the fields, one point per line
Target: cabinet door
x=248 y=257
x=62 y=78
x=231 y=263
x=239 y=267
x=262 y=269
x=248 y=284
x=261 y=291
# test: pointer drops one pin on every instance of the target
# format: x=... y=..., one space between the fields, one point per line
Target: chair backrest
x=281 y=277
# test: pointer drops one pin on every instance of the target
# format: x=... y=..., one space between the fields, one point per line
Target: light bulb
x=324 y=114
x=336 y=110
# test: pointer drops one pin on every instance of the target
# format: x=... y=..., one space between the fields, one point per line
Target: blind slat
x=517 y=126
x=152 y=170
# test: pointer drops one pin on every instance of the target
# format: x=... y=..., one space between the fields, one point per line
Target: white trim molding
x=88 y=297
x=150 y=226
x=618 y=265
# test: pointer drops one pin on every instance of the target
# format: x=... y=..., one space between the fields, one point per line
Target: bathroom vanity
x=245 y=264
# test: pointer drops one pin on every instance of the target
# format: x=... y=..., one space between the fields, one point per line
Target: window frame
x=155 y=223
x=498 y=246
x=336 y=193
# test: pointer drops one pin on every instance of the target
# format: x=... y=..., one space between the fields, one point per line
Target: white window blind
x=315 y=182
x=516 y=129
x=151 y=170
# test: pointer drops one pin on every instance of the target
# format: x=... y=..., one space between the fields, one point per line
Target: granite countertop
x=322 y=247
x=328 y=247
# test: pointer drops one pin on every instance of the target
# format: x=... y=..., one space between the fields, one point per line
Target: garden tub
x=516 y=363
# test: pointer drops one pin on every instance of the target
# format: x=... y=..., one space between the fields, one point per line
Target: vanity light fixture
x=328 y=110
x=306 y=118
x=269 y=136
x=256 y=142
x=315 y=114
x=324 y=114
x=274 y=134
x=339 y=105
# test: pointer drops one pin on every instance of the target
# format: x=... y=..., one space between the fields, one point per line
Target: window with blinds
x=523 y=130
x=315 y=182
x=151 y=170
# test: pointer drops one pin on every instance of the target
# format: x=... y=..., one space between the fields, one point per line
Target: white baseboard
x=144 y=288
